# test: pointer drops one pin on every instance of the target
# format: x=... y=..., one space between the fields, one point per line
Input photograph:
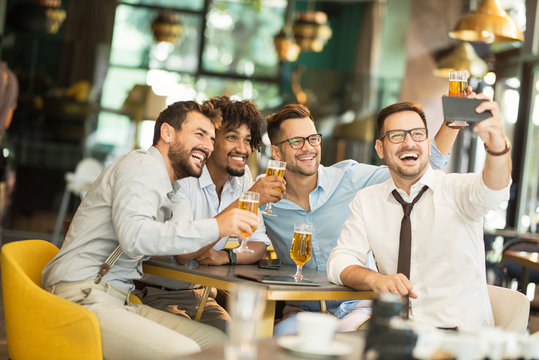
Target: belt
x=104 y=286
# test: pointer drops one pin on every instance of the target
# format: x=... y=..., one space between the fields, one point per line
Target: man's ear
x=167 y=133
x=275 y=153
x=379 y=147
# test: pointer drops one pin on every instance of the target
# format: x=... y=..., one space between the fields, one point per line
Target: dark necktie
x=405 y=240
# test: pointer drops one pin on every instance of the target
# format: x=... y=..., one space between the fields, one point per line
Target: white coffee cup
x=316 y=330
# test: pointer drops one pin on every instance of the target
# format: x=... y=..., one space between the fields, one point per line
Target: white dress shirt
x=447 y=258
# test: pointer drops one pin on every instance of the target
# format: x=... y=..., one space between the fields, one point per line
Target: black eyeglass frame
x=302 y=140
x=406 y=132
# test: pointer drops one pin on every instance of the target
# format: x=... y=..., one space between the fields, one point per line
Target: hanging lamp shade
x=311 y=30
x=462 y=57
x=39 y=16
x=166 y=27
x=286 y=47
x=488 y=23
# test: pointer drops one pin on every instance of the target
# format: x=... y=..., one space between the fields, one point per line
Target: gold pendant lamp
x=489 y=23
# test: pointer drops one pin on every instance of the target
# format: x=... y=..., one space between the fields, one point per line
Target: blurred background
x=93 y=75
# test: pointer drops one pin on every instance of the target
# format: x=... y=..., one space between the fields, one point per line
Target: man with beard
x=224 y=178
x=320 y=195
x=437 y=258
x=132 y=206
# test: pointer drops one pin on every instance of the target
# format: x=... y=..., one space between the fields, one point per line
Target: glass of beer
x=276 y=168
x=248 y=201
x=302 y=248
x=458 y=82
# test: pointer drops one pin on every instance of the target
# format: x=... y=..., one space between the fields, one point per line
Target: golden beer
x=457 y=88
x=249 y=205
x=275 y=172
x=301 y=249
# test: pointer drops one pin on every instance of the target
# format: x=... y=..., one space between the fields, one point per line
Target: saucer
x=293 y=343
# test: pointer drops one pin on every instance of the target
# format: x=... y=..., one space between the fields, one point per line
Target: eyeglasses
x=398 y=136
x=299 y=141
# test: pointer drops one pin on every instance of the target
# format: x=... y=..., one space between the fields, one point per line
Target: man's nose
x=408 y=138
x=241 y=147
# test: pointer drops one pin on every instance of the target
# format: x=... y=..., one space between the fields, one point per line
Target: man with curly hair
x=224 y=178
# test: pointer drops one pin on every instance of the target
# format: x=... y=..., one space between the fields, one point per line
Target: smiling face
x=191 y=145
x=231 y=151
x=408 y=160
x=304 y=161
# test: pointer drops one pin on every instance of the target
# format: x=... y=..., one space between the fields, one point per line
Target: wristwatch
x=499 y=153
x=232 y=256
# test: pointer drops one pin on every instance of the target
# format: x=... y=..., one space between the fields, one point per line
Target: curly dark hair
x=175 y=114
x=235 y=113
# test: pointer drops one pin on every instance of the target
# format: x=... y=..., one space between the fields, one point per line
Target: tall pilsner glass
x=458 y=82
x=302 y=248
x=276 y=168
x=248 y=201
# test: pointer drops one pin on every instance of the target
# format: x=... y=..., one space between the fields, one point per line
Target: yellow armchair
x=41 y=325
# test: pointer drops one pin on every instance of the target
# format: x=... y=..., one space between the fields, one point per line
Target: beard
x=235 y=172
x=304 y=171
x=180 y=160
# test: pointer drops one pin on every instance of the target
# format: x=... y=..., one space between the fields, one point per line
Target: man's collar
x=427 y=179
x=205 y=179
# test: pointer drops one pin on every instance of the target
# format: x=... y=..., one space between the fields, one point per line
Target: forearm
x=445 y=138
x=497 y=171
x=358 y=277
x=259 y=249
x=185 y=258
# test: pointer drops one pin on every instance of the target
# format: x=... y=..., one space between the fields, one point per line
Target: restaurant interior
x=93 y=76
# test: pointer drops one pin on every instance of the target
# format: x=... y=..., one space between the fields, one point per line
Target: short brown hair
x=236 y=113
x=290 y=111
x=175 y=114
x=396 y=108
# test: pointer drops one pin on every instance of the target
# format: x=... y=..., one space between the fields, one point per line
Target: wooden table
x=528 y=260
x=223 y=277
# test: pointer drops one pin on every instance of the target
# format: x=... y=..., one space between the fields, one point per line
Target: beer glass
x=248 y=201
x=458 y=82
x=301 y=249
x=276 y=168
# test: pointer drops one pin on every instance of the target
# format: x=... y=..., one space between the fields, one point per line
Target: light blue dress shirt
x=202 y=196
x=336 y=187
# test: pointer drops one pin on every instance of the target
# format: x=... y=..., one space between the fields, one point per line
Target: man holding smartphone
x=435 y=255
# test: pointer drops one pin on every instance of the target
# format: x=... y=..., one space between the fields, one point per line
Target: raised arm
x=497 y=170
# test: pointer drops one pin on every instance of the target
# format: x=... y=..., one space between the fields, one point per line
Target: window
x=225 y=48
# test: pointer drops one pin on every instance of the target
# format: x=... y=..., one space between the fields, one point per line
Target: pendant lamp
x=489 y=23
x=462 y=57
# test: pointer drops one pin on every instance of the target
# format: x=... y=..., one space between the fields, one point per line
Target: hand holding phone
x=463 y=109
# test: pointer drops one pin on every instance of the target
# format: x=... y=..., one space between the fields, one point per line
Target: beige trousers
x=136 y=331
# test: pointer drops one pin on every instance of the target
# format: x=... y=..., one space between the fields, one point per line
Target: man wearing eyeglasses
x=434 y=256
x=320 y=195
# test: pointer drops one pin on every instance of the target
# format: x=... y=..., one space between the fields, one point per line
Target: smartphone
x=463 y=109
x=269 y=263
